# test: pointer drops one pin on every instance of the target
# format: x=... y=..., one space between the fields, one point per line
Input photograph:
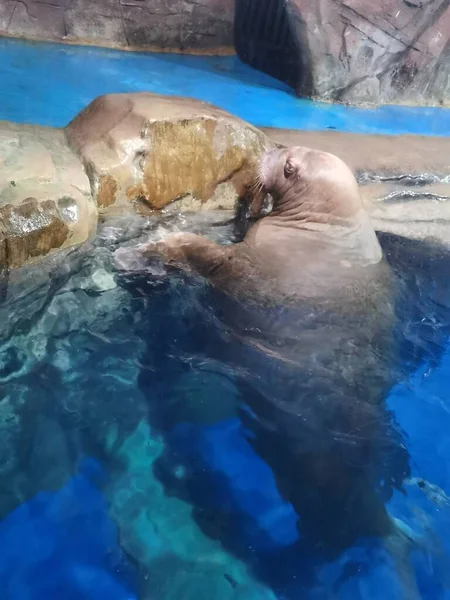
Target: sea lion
x=313 y=324
x=316 y=241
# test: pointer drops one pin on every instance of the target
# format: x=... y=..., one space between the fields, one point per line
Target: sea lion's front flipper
x=130 y=259
x=188 y=251
x=183 y=249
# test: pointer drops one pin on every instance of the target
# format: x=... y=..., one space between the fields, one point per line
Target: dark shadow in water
x=423 y=307
x=267 y=38
x=41 y=436
x=182 y=331
x=176 y=341
x=4 y=278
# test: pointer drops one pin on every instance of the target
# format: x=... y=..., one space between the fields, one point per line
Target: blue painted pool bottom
x=48 y=84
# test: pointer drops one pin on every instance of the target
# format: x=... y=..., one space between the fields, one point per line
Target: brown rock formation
x=189 y=25
x=351 y=50
x=152 y=150
x=45 y=200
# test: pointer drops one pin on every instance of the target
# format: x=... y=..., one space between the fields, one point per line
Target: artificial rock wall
x=183 y=25
x=354 y=51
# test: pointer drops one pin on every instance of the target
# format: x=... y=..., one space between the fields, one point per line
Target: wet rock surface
x=45 y=199
x=150 y=150
x=200 y=25
x=136 y=152
x=354 y=51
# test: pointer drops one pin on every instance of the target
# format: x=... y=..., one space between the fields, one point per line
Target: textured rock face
x=152 y=150
x=192 y=25
x=45 y=200
x=353 y=50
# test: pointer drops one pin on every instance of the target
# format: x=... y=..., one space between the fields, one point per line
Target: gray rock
x=366 y=91
x=192 y=25
x=330 y=48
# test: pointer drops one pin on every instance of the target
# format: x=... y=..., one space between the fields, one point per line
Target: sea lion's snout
x=269 y=166
x=264 y=180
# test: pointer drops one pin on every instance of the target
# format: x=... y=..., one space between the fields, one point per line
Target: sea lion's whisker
x=260 y=174
x=257 y=182
x=257 y=187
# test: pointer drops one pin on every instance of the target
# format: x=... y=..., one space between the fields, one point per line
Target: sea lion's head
x=307 y=183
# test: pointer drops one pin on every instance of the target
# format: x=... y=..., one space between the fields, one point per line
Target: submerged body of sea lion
x=310 y=301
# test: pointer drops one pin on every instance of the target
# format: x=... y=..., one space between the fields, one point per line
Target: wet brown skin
x=310 y=284
x=317 y=214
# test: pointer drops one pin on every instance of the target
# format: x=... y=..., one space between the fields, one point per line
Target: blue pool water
x=103 y=497
x=64 y=545
x=49 y=84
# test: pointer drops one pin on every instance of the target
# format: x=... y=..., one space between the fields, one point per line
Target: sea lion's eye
x=288 y=169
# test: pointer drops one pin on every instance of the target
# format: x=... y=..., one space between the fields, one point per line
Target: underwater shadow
x=186 y=468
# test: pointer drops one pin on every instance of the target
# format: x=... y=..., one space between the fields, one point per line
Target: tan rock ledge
x=151 y=150
x=135 y=151
x=45 y=199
